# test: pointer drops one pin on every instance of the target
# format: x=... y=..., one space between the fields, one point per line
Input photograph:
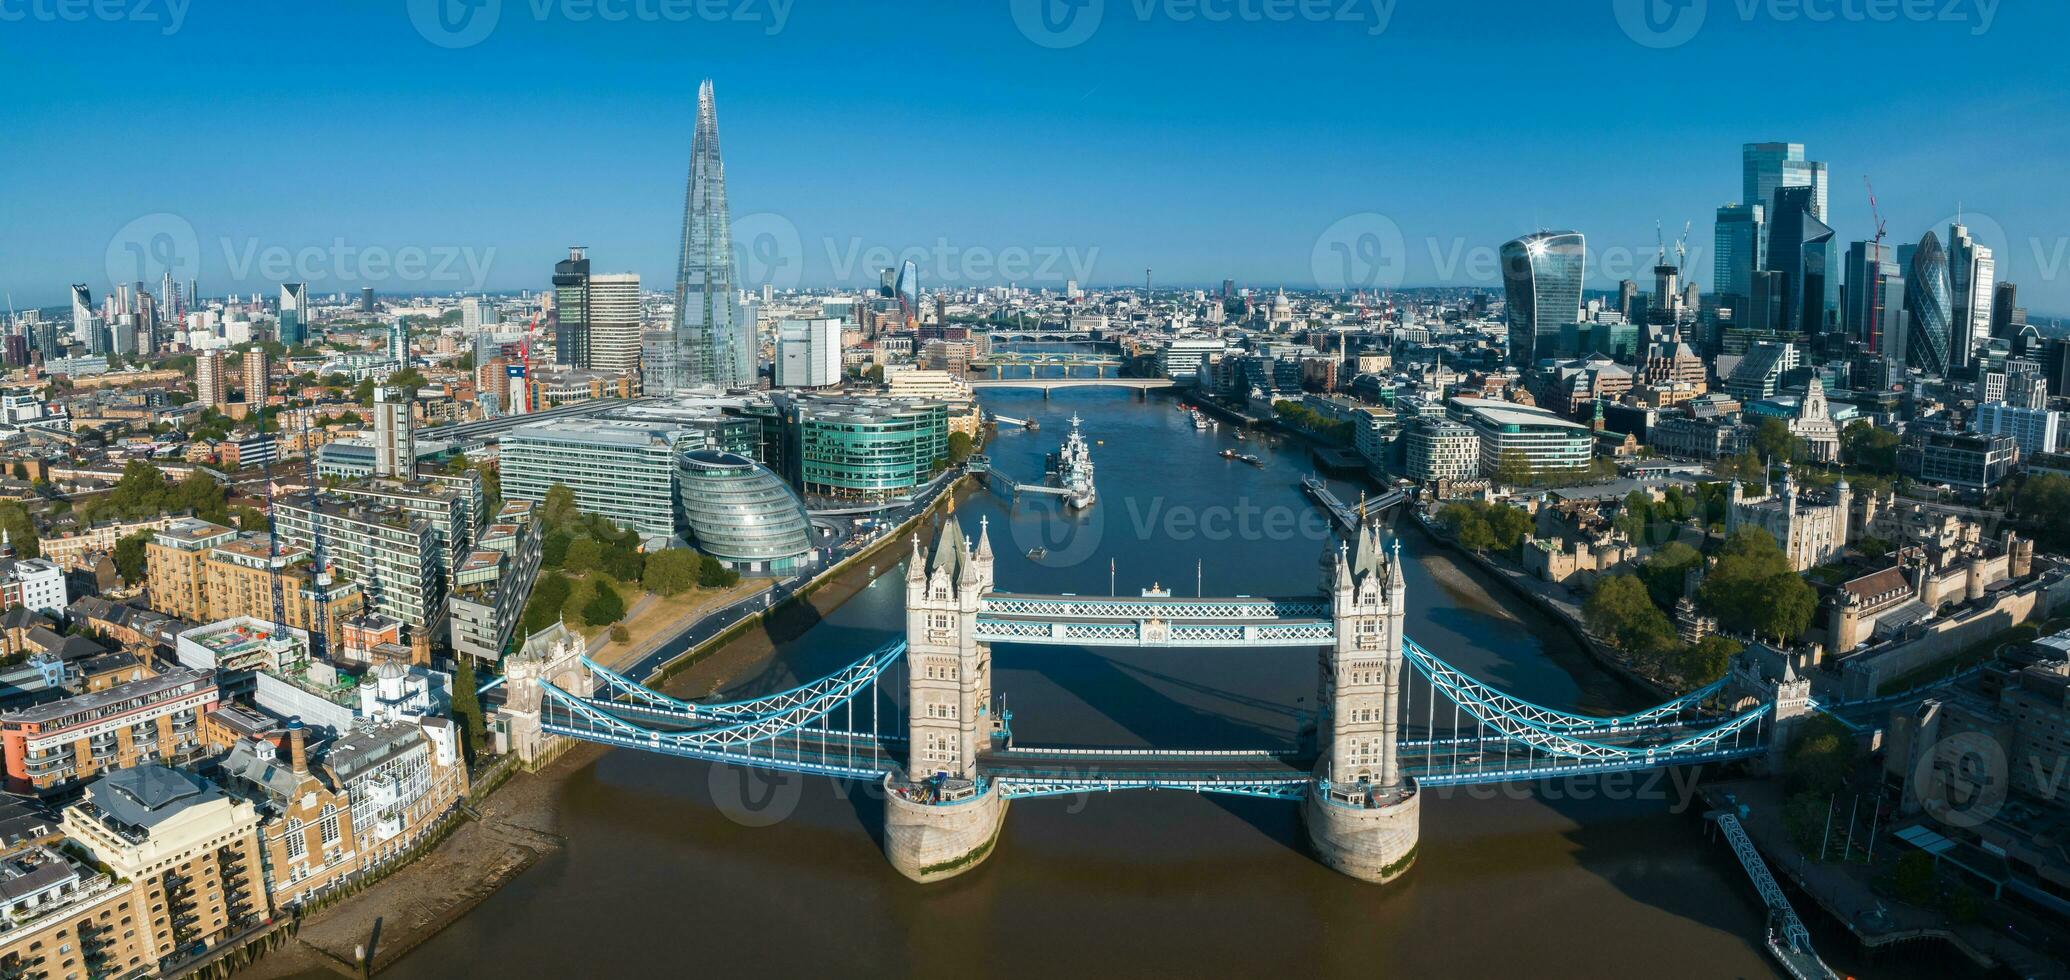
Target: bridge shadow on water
x=1124 y=696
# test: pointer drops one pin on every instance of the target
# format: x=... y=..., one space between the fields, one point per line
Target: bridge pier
x=930 y=842
x=1370 y=843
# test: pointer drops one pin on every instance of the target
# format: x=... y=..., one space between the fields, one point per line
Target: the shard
x=708 y=315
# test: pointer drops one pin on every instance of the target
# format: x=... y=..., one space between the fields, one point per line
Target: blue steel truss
x=650 y=702
x=1512 y=740
x=1071 y=607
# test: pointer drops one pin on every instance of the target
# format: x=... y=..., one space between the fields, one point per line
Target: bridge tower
x=1363 y=815
x=941 y=814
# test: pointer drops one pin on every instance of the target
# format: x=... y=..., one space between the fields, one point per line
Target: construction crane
x=1682 y=245
x=319 y=569
x=273 y=545
x=1871 y=302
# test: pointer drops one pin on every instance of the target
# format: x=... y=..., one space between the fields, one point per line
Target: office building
x=294 y=314
x=477 y=313
x=1802 y=251
x=85 y=324
x=1875 y=298
x=2006 y=317
x=709 y=326
x=53 y=746
x=614 y=323
x=622 y=470
x=2034 y=430
x=190 y=852
x=1961 y=460
x=1768 y=167
x=366 y=299
x=1541 y=278
x=1441 y=450
x=1972 y=285
x=1180 y=358
x=1760 y=371
x=864 y=448
x=741 y=513
x=808 y=354
x=1928 y=306
x=571 y=307
x=1537 y=440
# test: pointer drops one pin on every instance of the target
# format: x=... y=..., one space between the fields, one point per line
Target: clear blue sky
x=1203 y=149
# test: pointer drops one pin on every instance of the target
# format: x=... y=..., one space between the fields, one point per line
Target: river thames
x=673 y=867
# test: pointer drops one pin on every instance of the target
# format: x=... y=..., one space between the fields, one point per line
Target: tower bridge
x=919 y=715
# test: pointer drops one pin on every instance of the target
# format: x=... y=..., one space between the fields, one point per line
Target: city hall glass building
x=741 y=513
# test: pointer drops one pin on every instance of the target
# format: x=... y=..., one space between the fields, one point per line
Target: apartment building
x=51 y=747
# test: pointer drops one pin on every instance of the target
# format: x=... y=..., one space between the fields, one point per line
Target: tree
x=1664 y=571
x=584 y=555
x=129 y=557
x=363 y=392
x=549 y=595
x=559 y=508
x=553 y=549
x=1821 y=758
x=1753 y=589
x=1914 y=878
x=21 y=529
x=2043 y=502
x=253 y=519
x=21 y=471
x=604 y=607
x=671 y=571
x=1512 y=468
x=467 y=709
x=1773 y=441
x=1867 y=447
x=624 y=564
x=1621 y=610
x=713 y=574
x=1707 y=659
x=960 y=447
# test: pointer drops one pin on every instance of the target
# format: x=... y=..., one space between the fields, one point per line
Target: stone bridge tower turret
x=1363 y=813
x=941 y=814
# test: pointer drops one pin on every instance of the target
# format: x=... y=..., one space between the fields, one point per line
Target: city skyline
x=1076 y=179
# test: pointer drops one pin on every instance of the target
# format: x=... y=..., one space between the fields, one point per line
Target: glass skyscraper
x=1736 y=246
x=1972 y=277
x=1801 y=248
x=294 y=313
x=708 y=322
x=571 y=309
x=1541 y=282
x=1875 y=297
x=1927 y=305
x=1767 y=167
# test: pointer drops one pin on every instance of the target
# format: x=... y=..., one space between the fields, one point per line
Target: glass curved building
x=740 y=512
x=1928 y=306
x=1541 y=287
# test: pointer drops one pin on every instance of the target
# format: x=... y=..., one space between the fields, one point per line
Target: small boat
x=1253 y=460
x=1038 y=552
x=1229 y=454
x=1240 y=437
